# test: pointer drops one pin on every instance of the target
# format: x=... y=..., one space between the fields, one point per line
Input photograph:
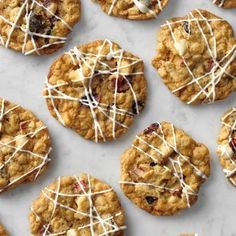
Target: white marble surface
x=22 y=81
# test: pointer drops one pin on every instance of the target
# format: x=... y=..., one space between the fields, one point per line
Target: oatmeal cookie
x=227 y=145
x=164 y=169
x=24 y=145
x=225 y=3
x=37 y=26
x=195 y=59
x=3 y=232
x=133 y=9
x=73 y=206
x=96 y=89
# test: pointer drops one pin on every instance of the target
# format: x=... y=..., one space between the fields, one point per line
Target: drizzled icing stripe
x=16 y=150
x=176 y=163
x=107 y=223
x=219 y=68
x=91 y=61
x=27 y=7
x=226 y=149
x=142 y=5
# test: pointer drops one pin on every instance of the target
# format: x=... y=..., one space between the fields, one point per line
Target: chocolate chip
x=186 y=27
x=153 y=127
x=139 y=104
x=150 y=200
x=36 y=24
x=152 y=164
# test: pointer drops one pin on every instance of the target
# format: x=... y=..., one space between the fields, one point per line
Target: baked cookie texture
x=24 y=146
x=74 y=206
x=227 y=144
x=164 y=169
x=225 y=3
x=37 y=26
x=195 y=59
x=3 y=232
x=96 y=89
x=133 y=9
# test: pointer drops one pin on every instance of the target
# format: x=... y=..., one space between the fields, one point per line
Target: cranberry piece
x=122 y=84
x=151 y=128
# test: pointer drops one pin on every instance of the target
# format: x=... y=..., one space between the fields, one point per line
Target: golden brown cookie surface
x=225 y=3
x=37 y=26
x=196 y=60
x=3 y=232
x=133 y=9
x=227 y=144
x=96 y=89
x=163 y=170
x=74 y=206
x=24 y=146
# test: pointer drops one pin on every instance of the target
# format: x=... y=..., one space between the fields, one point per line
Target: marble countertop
x=22 y=81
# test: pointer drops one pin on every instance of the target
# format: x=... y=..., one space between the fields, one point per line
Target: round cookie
x=24 y=146
x=195 y=59
x=133 y=9
x=164 y=169
x=73 y=206
x=225 y=3
x=3 y=232
x=37 y=26
x=227 y=145
x=96 y=89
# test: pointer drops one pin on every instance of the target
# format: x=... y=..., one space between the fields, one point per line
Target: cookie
x=24 y=146
x=225 y=3
x=3 y=232
x=96 y=89
x=73 y=206
x=227 y=145
x=133 y=9
x=37 y=26
x=164 y=169
x=195 y=59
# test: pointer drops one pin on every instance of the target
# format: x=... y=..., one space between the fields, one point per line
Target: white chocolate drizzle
x=225 y=150
x=176 y=164
x=107 y=222
x=219 y=67
x=91 y=61
x=28 y=7
x=142 y=5
x=220 y=4
x=22 y=140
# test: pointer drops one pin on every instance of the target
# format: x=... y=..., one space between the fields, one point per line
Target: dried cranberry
x=151 y=128
x=139 y=104
x=186 y=27
x=210 y=64
x=150 y=200
x=122 y=84
x=177 y=192
x=23 y=125
x=233 y=144
x=77 y=186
